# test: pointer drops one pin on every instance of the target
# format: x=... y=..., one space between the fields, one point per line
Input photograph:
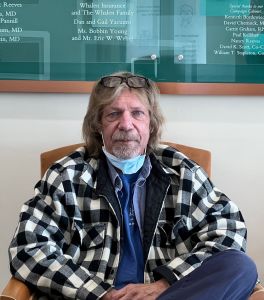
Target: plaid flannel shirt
x=68 y=238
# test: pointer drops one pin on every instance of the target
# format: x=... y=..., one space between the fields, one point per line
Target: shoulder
x=72 y=164
x=172 y=158
x=187 y=172
x=174 y=162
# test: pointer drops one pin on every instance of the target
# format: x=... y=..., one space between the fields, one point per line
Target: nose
x=125 y=121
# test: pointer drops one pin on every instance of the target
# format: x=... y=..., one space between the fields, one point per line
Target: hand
x=140 y=291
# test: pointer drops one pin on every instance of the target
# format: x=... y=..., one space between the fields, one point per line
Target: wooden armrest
x=258 y=293
x=17 y=290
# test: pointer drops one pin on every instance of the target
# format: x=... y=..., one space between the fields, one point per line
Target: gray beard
x=124 y=152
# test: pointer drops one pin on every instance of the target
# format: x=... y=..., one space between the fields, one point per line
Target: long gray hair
x=102 y=96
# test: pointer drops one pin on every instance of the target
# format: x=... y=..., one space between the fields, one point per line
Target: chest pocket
x=169 y=234
x=88 y=243
x=93 y=235
x=88 y=236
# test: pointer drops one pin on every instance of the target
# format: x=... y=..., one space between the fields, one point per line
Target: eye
x=113 y=115
x=138 y=114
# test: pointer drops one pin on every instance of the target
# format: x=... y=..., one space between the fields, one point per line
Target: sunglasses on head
x=131 y=81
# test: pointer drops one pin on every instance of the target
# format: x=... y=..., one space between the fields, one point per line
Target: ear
x=98 y=128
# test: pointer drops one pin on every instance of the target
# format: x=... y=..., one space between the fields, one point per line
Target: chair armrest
x=258 y=293
x=17 y=290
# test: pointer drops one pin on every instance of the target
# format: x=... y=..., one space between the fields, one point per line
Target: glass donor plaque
x=191 y=41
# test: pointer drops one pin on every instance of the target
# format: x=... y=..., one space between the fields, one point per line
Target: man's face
x=125 y=126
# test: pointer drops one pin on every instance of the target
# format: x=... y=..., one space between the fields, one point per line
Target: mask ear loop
x=103 y=146
x=102 y=136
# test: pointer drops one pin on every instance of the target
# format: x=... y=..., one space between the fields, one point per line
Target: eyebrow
x=132 y=108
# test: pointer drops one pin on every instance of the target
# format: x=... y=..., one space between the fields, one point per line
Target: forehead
x=130 y=99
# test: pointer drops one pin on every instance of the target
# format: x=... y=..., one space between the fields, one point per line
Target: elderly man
x=126 y=218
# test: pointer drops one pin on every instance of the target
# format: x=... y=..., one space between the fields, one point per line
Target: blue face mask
x=127 y=166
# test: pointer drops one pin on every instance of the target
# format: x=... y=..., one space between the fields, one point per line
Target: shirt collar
x=143 y=175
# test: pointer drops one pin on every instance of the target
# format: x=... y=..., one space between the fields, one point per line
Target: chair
x=201 y=156
x=17 y=290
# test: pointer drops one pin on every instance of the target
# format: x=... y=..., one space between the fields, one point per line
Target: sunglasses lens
x=111 y=81
x=132 y=81
x=136 y=81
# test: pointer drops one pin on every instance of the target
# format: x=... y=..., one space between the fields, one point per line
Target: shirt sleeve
x=42 y=250
x=210 y=222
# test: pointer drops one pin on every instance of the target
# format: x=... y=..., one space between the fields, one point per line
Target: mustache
x=125 y=136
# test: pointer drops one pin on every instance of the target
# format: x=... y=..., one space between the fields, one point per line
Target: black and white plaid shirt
x=67 y=241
